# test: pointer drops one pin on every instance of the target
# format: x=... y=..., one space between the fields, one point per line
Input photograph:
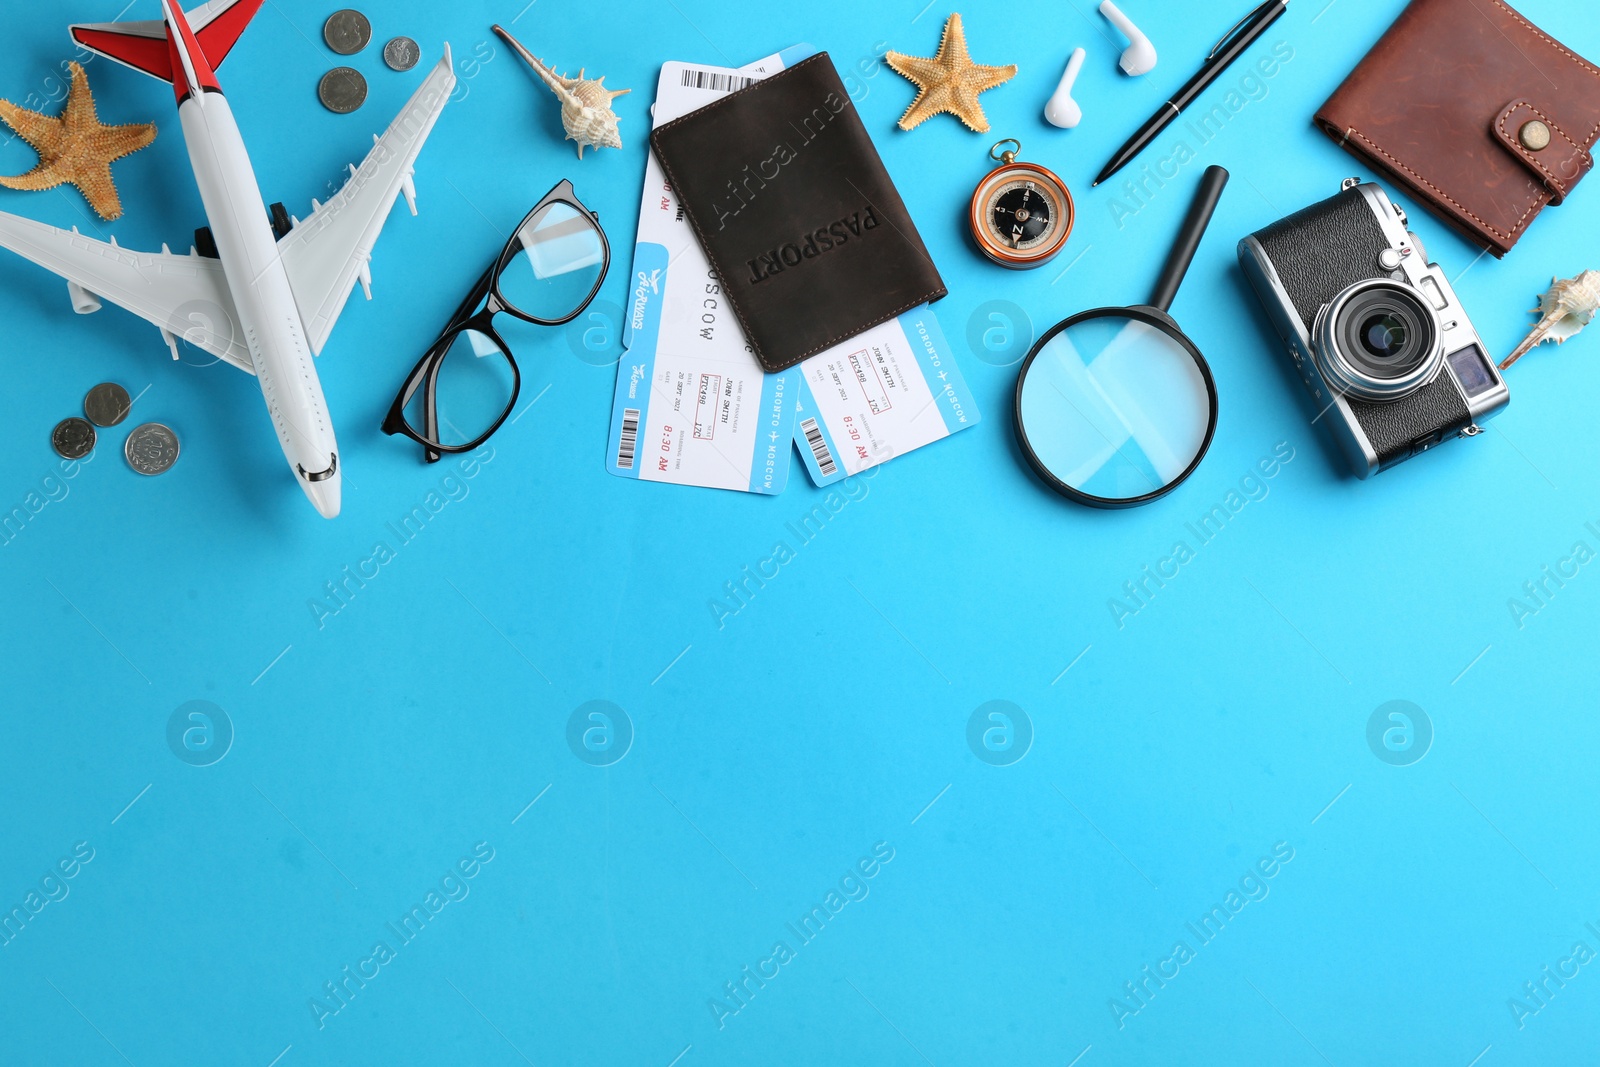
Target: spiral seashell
x=586 y=112
x=1564 y=311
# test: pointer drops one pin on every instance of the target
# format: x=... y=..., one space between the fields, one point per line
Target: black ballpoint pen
x=1231 y=47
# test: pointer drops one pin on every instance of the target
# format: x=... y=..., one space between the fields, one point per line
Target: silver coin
x=343 y=89
x=151 y=449
x=107 y=404
x=401 y=53
x=347 y=32
x=73 y=438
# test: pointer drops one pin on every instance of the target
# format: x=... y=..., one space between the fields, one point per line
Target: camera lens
x=1378 y=340
x=1384 y=335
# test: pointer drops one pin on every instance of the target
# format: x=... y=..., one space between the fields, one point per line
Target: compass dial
x=1021 y=215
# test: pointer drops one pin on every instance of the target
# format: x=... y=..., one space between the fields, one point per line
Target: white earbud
x=1062 y=110
x=1140 y=58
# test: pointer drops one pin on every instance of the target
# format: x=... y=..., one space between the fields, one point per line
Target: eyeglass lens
x=558 y=261
x=474 y=386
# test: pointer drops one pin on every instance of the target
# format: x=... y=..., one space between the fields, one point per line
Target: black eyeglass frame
x=486 y=293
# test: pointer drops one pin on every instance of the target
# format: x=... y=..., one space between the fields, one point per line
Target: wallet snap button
x=1534 y=135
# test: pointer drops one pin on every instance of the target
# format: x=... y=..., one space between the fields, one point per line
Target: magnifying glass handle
x=1194 y=228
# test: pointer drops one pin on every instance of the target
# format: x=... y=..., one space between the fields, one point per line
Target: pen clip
x=1237 y=26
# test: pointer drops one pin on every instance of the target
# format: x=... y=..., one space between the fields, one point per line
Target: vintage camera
x=1378 y=335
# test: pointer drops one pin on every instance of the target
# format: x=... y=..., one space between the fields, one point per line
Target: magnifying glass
x=1116 y=407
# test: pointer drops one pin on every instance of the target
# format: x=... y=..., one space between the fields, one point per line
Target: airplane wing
x=184 y=296
x=327 y=253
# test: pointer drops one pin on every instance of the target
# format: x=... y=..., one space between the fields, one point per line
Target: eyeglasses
x=462 y=391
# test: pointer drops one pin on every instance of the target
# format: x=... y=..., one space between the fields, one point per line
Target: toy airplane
x=265 y=297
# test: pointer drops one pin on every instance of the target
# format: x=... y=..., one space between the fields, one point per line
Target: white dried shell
x=1564 y=311
x=586 y=112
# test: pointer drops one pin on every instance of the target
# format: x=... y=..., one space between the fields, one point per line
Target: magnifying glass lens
x=1115 y=408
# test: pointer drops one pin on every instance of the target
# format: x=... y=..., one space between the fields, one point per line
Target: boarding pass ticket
x=693 y=406
x=879 y=395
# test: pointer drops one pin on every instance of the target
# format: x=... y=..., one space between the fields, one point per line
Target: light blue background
x=831 y=712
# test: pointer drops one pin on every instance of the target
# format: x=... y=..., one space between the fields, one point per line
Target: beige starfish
x=950 y=81
x=75 y=149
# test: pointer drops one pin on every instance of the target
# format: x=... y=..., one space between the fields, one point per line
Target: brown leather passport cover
x=797 y=214
x=1440 y=105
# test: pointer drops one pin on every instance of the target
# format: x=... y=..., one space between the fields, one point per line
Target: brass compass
x=1022 y=214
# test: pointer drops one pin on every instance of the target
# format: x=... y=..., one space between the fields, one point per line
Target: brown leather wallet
x=1478 y=112
x=800 y=220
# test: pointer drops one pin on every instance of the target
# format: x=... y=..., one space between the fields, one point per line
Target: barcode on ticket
x=629 y=448
x=717 y=83
x=819 y=449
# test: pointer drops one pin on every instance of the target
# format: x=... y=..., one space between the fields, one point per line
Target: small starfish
x=75 y=149
x=950 y=81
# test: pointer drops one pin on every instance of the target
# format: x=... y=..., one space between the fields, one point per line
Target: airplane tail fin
x=143 y=46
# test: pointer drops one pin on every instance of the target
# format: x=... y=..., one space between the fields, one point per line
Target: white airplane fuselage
x=262 y=303
x=262 y=296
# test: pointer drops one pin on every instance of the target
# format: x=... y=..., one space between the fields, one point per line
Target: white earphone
x=1140 y=56
x=1062 y=110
